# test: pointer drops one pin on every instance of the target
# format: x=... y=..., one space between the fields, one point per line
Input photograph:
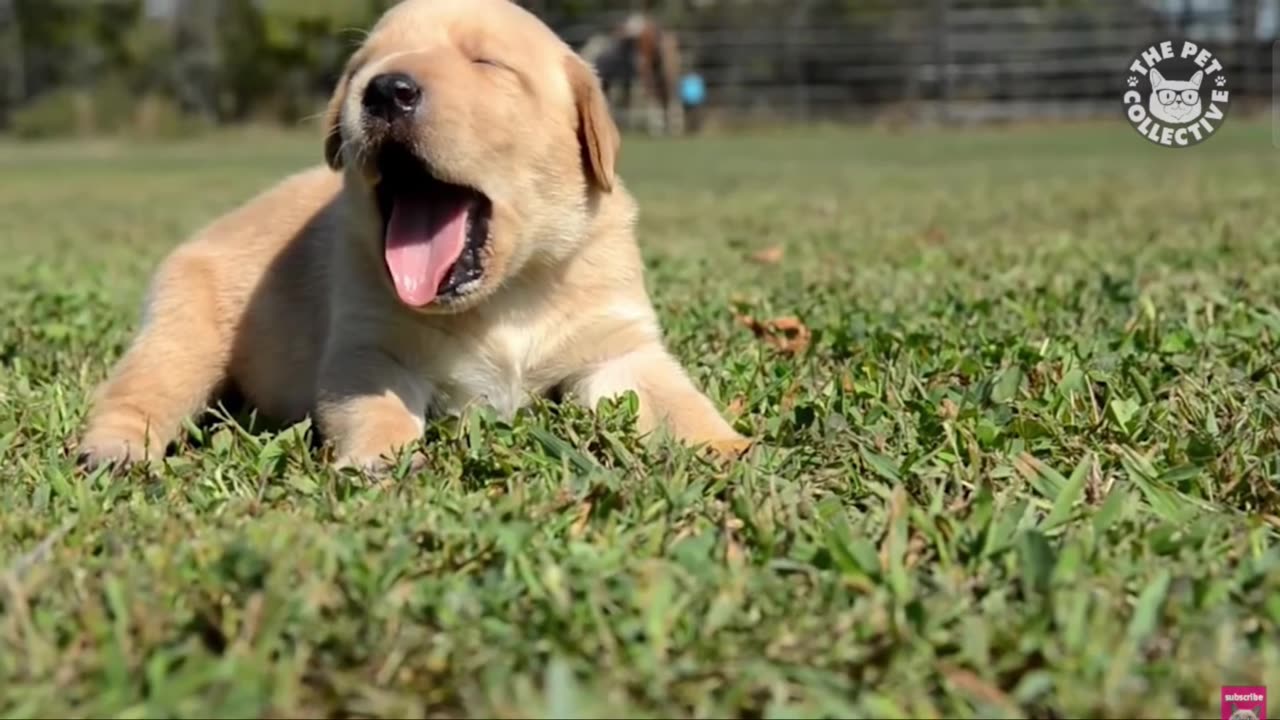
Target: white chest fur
x=506 y=358
x=502 y=370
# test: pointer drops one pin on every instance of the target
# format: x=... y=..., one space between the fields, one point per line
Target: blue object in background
x=693 y=91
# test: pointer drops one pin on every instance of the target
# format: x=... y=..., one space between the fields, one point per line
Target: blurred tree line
x=166 y=66
x=87 y=66
x=80 y=66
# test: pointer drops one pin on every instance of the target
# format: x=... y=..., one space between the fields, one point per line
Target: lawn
x=1020 y=455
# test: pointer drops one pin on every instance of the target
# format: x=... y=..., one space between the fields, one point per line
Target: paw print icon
x=1133 y=81
x=1221 y=80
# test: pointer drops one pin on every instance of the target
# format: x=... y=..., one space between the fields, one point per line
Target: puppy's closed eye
x=502 y=73
x=490 y=62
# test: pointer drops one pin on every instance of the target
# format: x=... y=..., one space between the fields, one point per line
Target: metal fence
x=909 y=61
x=950 y=61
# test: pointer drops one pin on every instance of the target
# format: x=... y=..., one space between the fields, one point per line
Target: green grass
x=1026 y=466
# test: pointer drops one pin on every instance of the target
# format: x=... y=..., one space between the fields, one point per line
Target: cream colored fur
x=287 y=298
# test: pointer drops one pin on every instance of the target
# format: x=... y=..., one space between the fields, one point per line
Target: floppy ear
x=333 y=122
x=597 y=133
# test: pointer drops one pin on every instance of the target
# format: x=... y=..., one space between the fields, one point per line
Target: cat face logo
x=1176 y=94
x=1176 y=102
x=1244 y=714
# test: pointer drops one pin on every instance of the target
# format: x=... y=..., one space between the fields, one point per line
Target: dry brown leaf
x=1027 y=465
x=769 y=256
x=580 y=523
x=791 y=396
x=787 y=334
x=737 y=406
x=915 y=550
x=968 y=682
x=897 y=508
x=846 y=382
x=949 y=409
x=734 y=555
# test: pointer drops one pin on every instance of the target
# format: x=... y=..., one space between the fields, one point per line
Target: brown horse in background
x=640 y=51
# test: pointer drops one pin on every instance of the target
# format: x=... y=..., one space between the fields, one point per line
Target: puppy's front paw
x=362 y=463
x=378 y=465
x=377 y=446
x=733 y=448
x=369 y=432
x=99 y=448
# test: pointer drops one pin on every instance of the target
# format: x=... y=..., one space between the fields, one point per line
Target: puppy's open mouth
x=434 y=232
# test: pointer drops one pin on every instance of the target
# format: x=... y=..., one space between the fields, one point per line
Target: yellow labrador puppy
x=476 y=246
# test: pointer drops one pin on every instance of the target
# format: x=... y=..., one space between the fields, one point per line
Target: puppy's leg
x=169 y=371
x=370 y=406
x=668 y=398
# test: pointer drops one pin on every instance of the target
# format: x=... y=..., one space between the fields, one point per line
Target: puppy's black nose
x=392 y=96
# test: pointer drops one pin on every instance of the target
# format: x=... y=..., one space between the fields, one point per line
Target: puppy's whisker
x=362 y=153
x=343 y=148
x=404 y=53
x=345 y=144
x=361 y=34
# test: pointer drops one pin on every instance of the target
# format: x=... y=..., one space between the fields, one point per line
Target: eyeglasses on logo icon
x=1176 y=93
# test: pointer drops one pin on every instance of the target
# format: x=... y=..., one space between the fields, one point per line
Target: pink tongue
x=425 y=237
